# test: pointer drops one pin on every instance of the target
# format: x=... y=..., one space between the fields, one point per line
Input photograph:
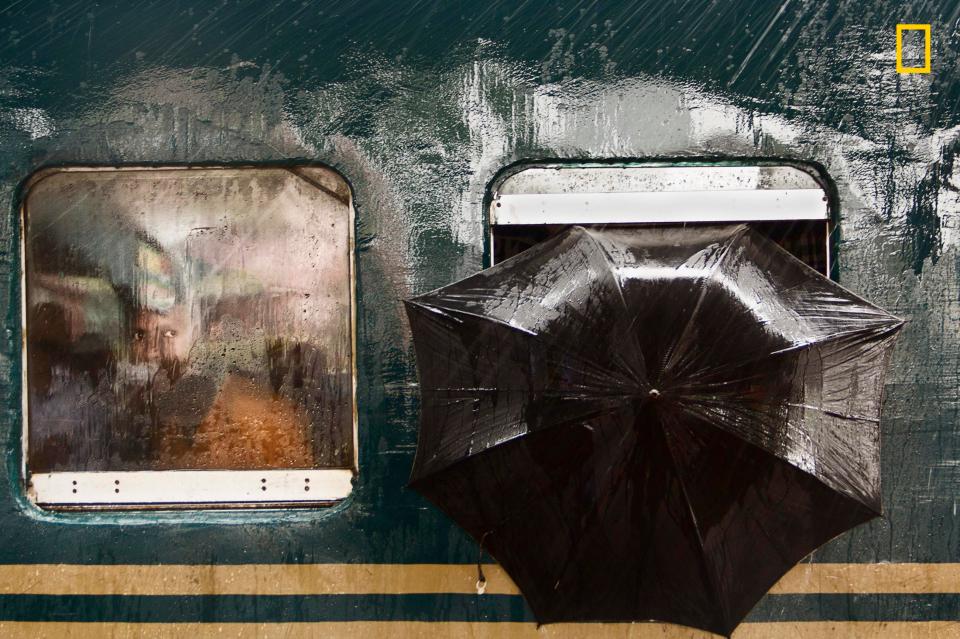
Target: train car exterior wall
x=419 y=105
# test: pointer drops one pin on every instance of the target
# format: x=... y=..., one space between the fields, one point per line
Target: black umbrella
x=650 y=424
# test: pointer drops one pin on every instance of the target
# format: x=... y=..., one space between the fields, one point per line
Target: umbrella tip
x=653 y=394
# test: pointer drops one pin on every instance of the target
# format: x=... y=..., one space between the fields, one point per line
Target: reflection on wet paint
x=420 y=108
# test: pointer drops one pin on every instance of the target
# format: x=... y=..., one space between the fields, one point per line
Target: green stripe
x=486 y=608
x=857 y=607
x=256 y=608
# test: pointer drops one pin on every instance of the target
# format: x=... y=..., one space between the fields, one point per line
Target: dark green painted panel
x=239 y=608
x=487 y=608
x=419 y=105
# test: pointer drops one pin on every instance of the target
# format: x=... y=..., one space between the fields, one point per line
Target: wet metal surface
x=419 y=106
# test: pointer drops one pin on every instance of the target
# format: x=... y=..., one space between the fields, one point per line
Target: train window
x=189 y=337
x=787 y=204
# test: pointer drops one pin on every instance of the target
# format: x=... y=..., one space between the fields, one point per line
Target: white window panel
x=659 y=207
x=657 y=195
x=171 y=488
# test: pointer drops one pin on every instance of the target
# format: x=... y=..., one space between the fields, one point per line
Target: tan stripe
x=480 y=630
x=329 y=579
x=870 y=578
x=275 y=579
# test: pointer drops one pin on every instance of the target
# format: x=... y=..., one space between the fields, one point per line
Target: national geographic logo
x=912 y=56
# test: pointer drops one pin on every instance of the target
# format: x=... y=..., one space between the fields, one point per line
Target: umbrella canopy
x=650 y=424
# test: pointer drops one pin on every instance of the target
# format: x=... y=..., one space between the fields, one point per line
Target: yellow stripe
x=276 y=579
x=870 y=578
x=477 y=630
x=331 y=579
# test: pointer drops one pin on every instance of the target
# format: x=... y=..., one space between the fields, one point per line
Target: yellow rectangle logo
x=926 y=48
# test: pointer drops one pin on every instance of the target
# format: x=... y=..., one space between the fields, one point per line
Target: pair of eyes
x=141 y=334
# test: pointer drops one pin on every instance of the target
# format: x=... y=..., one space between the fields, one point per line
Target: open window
x=788 y=204
x=189 y=337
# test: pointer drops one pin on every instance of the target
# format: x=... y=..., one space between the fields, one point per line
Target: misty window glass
x=188 y=319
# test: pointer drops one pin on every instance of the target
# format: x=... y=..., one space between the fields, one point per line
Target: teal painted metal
x=486 y=608
x=419 y=105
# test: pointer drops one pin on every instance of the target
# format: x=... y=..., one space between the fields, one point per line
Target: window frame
x=189 y=489
x=654 y=193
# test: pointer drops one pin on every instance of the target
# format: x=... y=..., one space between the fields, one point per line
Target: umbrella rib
x=452 y=314
x=711 y=418
x=611 y=266
x=711 y=575
x=580 y=417
x=671 y=356
x=833 y=413
x=756 y=414
x=595 y=369
x=879 y=331
x=872 y=332
x=617 y=473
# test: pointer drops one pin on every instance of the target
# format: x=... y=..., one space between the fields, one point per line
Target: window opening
x=189 y=337
x=785 y=203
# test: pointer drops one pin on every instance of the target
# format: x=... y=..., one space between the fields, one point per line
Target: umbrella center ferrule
x=653 y=394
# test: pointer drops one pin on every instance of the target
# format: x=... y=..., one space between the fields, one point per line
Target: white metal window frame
x=189 y=487
x=564 y=194
x=185 y=489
